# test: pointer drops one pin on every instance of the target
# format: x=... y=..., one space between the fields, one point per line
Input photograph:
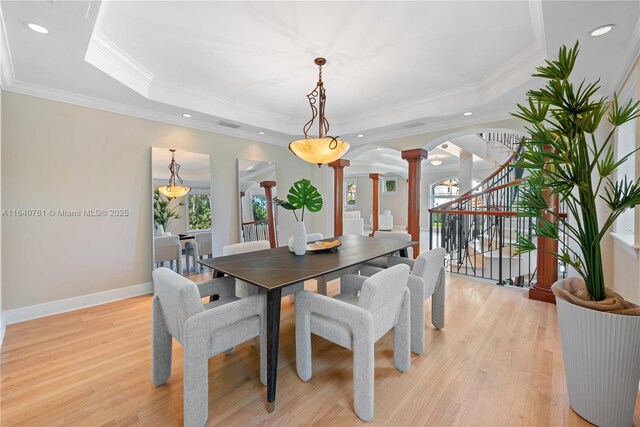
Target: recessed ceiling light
x=360 y=135
x=37 y=28
x=260 y=133
x=601 y=30
x=186 y=115
x=468 y=113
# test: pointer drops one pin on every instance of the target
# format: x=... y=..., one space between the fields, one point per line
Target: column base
x=541 y=293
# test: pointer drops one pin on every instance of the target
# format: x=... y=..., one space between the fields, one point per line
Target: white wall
x=2 y=326
x=61 y=156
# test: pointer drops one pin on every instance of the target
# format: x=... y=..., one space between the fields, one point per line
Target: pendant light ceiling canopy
x=173 y=190
x=324 y=148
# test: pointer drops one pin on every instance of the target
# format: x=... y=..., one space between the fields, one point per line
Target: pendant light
x=436 y=161
x=324 y=148
x=172 y=190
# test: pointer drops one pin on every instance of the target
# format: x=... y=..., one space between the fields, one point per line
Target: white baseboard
x=23 y=314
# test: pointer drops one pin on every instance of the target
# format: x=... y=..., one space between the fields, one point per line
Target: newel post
x=547 y=273
x=268 y=185
x=414 y=158
x=338 y=185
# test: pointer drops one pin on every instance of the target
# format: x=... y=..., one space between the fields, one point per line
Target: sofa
x=352 y=223
x=385 y=221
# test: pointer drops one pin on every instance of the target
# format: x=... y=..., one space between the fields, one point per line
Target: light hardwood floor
x=498 y=362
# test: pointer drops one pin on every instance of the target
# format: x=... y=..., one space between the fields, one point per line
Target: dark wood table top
x=275 y=268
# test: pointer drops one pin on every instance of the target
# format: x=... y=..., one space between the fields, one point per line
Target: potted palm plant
x=163 y=214
x=302 y=195
x=600 y=331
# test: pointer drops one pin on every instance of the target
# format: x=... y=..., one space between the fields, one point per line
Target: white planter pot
x=601 y=354
x=300 y=239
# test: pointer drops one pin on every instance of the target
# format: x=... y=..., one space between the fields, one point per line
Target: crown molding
x=435 y=127
x=7 y=75
x=143 y=113
x=106 y=56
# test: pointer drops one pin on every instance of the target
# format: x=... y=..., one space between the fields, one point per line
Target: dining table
x=277 y=268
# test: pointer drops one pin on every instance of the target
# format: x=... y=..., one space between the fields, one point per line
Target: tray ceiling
x=394 y=68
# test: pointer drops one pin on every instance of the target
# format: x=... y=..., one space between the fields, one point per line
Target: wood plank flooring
x=498 y=362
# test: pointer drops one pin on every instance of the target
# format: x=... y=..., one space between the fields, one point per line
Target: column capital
x=267 y=184
x=375 y=176
x=415 y=154
x=340 y=163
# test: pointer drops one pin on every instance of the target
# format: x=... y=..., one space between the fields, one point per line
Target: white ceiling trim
x=449 y=124
x=100 y=104
x=106 y=56
x=7 y=75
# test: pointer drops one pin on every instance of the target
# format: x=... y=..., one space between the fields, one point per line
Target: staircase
x=479 y=228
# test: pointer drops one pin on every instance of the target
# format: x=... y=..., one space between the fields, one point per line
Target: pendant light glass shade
x=318 y=150
x=324 y=148
x=175 y=188
x=173 y=191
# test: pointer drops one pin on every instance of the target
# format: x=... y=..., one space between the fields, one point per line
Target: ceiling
x=195 y=168
x=394 y=68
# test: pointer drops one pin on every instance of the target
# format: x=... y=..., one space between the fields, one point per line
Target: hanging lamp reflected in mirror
x=173 y=190
x=324 y=148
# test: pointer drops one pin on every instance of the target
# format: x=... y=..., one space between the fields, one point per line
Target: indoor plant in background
x=600 y=331
x=302 y=195
x=162 y=213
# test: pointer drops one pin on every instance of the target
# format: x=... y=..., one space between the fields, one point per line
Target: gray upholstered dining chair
x=427 y=279
x=367 y=309
x=201 y=246
x=167 y=248
x=244 y=289
x=382 y=261
x=204 y=330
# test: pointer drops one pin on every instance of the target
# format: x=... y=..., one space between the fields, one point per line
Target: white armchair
x=352 y=223
x=427 y=279
x=385 y=221
x=203 y=330
x=366 y=310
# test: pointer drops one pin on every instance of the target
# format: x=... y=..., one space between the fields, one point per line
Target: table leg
x=273 y=335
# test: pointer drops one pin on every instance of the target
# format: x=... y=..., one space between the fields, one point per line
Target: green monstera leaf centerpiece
x=302 y=195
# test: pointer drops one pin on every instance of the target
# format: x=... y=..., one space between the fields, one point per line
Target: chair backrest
x=382 y=295
x=428 y=266
x=314 y=237
x=353 y=226
x=397 y=235
x=240 y=248
x=351 y=215
x=204 y=242
x=179 y=298
x=166 y=248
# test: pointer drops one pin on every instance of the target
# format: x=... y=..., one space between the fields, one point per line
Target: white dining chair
x=203 y=330
x=427 y=280
x=367 y=309
x=167 y=248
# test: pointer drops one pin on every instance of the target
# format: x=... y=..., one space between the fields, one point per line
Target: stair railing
x=479 y=229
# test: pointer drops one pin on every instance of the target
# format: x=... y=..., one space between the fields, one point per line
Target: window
x=444 y=191
x=199 y=212
x=389 y=185
x=259 y=206
x=351 y=193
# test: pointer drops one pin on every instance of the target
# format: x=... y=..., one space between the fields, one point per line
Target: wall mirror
x=257 y=187
x=182 y=223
